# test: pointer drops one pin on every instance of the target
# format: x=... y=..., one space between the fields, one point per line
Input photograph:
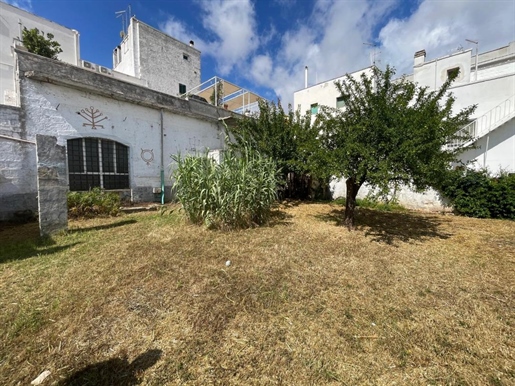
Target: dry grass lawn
x=406 y=299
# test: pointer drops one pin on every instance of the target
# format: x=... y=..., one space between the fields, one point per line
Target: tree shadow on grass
x=102 y=227
x=22 y=241
x=279 y=217
x=25 y=251
x=114 y=372
x=391 y=227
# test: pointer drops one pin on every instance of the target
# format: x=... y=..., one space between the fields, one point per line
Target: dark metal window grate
x=95 y=162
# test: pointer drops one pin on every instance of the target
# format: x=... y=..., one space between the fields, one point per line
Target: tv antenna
x=125 y=15
x=374 y=52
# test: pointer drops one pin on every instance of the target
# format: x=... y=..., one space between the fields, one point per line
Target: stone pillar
x=52 y=185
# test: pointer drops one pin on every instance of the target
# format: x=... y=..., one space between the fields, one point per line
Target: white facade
x=73 y=103
x=491 y=88
x=135 y=126
x=12 y=22
x=162 y=62
x=322 y=94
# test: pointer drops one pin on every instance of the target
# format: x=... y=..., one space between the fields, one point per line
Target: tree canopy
x=284 y=136
x=36 y=43
x=389 y=132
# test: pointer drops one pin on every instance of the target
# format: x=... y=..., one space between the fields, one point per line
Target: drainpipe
x=162 y=161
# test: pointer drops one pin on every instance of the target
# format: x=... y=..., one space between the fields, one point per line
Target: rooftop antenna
x=374 y=52
x=122 y=15
x=125 y=15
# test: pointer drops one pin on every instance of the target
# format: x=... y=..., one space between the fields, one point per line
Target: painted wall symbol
x=91 y=115
x=147 y=155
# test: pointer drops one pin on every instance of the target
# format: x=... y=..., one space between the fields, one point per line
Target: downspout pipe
x=162 y=160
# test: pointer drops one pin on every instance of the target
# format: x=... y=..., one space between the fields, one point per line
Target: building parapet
x=48 y=70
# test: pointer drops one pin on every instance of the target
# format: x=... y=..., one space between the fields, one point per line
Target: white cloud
x=440 y=27
x=330 y=43
x=232 y=32
x=23 y=4
x=178 y=30
x=235 y=28
x=330 y=40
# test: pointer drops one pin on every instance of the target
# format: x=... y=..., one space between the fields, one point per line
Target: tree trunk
x=350 y=202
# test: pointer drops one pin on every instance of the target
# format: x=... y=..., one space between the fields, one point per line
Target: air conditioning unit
x=105 y=71
x=89 y=65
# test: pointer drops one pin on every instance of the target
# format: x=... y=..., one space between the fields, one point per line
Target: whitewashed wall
x=428 y=201
x=324 y=93
x=433 y=73
x=158 y=59
x=17 y=165
x=495 y=151
x=53 y=110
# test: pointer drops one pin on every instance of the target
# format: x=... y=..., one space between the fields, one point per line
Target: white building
x=116 y=128
x=12 y=22
x=322 y=94
x=162 y=62
x=488 y=82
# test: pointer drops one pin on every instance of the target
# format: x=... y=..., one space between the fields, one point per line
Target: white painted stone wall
x=157 y=58
x=13 y=20
x=427 y=201
x=16 y=189
x=53 y=110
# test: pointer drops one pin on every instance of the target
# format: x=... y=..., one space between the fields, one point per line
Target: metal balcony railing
x=489 y=121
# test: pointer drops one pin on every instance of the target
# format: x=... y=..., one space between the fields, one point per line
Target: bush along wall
x=479 y=194
x=93 y=203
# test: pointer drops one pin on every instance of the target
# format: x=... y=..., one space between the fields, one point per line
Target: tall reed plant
x=238 y=192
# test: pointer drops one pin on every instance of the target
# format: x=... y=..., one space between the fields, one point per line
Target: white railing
x=487 y=122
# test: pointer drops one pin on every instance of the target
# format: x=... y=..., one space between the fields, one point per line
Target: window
x=182 y=88
x=453 y=72
x=314 y=108
x=95 y=162
x=185 y=57
x=340 y=102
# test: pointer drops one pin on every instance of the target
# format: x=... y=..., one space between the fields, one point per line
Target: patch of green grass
x=373 y=204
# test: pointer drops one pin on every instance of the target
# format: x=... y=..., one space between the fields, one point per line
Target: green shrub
x=93 y=203
x=478 y=194
x=236 y=193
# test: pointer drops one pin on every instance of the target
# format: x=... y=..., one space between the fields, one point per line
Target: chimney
x=420 y=57
x=306 y=77
x=192 y=43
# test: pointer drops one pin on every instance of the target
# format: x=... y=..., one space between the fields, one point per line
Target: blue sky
x=263 y=45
